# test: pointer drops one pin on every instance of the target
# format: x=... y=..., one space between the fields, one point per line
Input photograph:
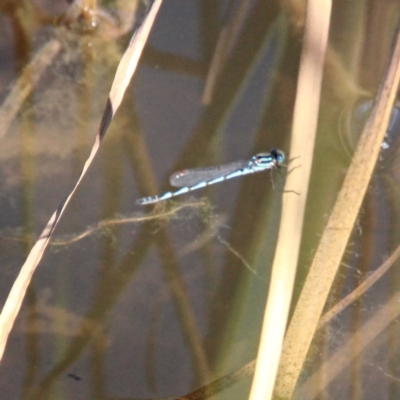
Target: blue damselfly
x=197 y=178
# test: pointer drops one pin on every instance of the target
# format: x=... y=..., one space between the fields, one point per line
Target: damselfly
x=197 y=178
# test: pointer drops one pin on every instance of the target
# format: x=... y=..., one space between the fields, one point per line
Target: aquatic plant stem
x=125 y=70
x=293 y=207
x=24 y=85
x=337 y=232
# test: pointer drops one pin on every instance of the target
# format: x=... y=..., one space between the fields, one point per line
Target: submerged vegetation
x=195 y=276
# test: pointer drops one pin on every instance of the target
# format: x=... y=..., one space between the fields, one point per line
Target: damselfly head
x=278 y=155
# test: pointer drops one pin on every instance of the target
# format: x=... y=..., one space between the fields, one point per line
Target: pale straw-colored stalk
x=124 y=73
x=293 y=207
x=337 y=232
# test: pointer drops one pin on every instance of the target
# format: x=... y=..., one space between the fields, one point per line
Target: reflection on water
x=133 y=302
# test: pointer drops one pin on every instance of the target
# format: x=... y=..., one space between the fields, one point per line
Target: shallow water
x=147 y=302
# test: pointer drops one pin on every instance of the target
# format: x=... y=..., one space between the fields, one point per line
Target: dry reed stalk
x=337 y=232
x=125 y=70
x=22 y=88
x=302 y=146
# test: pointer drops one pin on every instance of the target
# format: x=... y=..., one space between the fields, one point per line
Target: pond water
x=135 y=301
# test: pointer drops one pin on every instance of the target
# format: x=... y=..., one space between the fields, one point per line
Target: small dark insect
x=74 y=377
